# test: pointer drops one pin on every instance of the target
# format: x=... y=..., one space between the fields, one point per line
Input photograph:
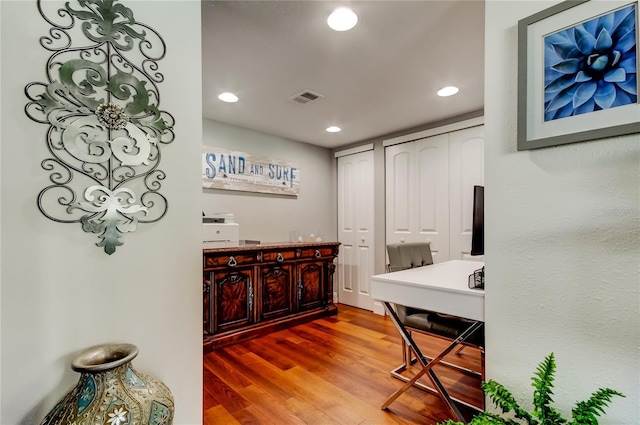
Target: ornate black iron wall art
x=101 y=103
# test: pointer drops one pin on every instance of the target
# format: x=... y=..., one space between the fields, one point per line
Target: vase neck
x=104 y=357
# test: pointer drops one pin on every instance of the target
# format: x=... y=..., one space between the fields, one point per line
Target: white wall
x=562 y=246
x=59 y=292
x=270 y=218
x=0 y=219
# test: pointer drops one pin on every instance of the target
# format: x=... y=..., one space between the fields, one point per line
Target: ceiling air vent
x=305 y=97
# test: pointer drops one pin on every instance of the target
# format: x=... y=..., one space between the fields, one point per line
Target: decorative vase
x=111 y=392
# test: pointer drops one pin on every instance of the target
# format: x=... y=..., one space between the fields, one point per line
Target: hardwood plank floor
x=332 y=371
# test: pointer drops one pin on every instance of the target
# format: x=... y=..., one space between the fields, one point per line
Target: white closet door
x=417 y=193
x=432 y=194
x=467 y=170
x=355 y=229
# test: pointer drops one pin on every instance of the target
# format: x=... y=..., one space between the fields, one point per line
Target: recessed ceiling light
x=333 y=129
x=447 y=91
x=228 y=97
x=342 y=19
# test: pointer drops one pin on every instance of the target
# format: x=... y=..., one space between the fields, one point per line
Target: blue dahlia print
x=591 y=66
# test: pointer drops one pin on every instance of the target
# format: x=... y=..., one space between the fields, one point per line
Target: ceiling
x=378 y=78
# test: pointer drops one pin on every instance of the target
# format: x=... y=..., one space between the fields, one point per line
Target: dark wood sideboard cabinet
x=252 y=290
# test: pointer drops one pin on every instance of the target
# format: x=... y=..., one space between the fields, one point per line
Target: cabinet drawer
x=231 y=260
x=325 y=251
x=278 y=256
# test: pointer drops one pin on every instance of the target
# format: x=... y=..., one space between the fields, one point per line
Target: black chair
x=409 y=255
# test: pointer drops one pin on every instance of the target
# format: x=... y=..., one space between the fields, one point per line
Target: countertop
x=269 y=245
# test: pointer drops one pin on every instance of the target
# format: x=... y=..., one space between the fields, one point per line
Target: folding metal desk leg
x=427 y=365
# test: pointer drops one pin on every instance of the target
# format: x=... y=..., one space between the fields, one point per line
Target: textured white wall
x=562 y=246
x=270 y=218
x=61 y=293
x=0 y=218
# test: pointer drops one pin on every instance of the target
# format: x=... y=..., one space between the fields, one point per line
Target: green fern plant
x=584 y=412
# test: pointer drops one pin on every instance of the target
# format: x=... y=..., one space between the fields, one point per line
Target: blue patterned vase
x=111 y=392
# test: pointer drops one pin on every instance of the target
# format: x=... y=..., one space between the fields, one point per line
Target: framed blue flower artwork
x=577 y=73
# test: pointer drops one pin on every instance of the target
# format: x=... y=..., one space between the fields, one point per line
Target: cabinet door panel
x=232 y=298
x=311 y=281
x=276 y=283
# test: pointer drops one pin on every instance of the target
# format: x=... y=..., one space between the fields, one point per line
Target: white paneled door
x=429 y=191
x=432 y=173
x=417 y=194
x=355 y=229
x=466 y=159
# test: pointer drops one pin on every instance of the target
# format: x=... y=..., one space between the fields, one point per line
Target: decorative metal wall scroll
x=101 y=103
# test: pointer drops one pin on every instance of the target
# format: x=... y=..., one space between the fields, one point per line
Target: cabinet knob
x=232 y=262
x=279 y=258
x=317 y=254
x=402 y=240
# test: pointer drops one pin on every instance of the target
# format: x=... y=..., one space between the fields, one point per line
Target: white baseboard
x=378 y=308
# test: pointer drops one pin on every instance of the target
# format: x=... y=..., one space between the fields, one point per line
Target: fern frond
x=543 y=384
x=502 y=398
x=552 y=416
x=586 y=412
x=486 y=418
x=483 y=418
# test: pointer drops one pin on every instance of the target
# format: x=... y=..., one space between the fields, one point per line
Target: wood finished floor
x=332 y=371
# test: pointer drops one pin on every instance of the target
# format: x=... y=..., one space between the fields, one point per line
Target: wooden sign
x=231 y=170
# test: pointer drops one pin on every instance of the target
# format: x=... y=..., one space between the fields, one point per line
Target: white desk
x=442 y=288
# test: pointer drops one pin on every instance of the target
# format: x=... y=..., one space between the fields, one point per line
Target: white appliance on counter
x=220 y=230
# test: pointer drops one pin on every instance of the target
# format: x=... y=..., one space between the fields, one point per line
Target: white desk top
x=441 y=287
